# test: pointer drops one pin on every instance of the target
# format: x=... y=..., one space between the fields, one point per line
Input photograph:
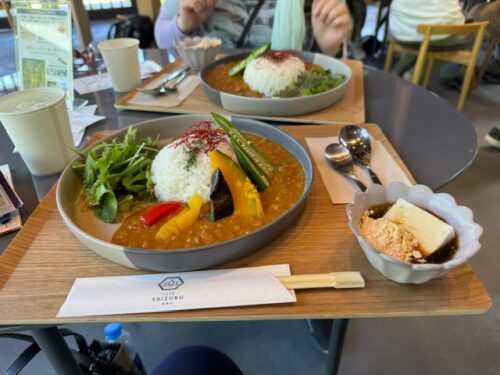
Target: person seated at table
x=326 y=23
x=493 y=137
x=406 y=15
x=479 y=10
x=452 y=75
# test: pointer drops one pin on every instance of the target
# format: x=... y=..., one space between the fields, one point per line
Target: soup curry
x=287 y=185
x=219 y=79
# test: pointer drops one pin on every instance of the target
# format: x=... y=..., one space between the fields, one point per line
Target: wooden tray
x=39 y=267
x=350 y=110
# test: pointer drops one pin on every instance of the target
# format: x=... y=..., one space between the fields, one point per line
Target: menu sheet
x=43 y=45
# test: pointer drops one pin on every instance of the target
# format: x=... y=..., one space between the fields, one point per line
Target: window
x=103 y=4
x=97 y=9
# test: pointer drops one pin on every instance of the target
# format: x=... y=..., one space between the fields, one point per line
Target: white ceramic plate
x=96 y=235
x=279 y=107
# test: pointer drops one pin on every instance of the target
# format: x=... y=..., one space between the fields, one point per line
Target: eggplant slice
x=221 y=201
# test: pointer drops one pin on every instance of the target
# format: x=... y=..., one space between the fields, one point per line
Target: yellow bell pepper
x=183 y=221
x=246 y=198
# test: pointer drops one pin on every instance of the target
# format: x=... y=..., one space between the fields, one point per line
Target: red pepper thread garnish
x=279 y=55
x=201 y=136
x=159 y=211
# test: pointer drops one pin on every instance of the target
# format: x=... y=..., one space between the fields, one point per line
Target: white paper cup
x=122 y=61
x=37 y=122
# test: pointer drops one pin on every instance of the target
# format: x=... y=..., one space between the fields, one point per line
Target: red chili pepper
x=159 y=211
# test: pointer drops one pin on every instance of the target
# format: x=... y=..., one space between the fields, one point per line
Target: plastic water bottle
x=115 y=333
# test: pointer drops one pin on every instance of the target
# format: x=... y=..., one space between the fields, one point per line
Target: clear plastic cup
x=37 y=122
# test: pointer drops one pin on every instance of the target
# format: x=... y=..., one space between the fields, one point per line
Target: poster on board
x=44 y=54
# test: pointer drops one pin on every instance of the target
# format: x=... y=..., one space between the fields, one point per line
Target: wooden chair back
x=466 y=56
x=454 y=29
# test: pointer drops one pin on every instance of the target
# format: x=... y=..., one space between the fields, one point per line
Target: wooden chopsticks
x=338 y=280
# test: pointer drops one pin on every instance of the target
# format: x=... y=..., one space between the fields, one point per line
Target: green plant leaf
x=109 y=207
x=116 y=172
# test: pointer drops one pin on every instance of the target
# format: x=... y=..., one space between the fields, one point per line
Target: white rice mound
x=269 y=77
x=174 y=182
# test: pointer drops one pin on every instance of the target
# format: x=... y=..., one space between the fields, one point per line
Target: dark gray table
x=435 y=141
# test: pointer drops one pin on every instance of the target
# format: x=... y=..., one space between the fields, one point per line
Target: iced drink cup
x=122 y=62
x=37 y=122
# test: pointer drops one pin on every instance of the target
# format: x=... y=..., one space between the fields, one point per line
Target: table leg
x=339 y=328
x=57 y=351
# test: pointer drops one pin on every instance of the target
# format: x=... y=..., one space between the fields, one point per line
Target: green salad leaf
x=115 y=173
x=313 y=81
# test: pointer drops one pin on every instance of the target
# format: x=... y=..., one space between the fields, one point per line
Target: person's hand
x=332 y=23
x=192 y=13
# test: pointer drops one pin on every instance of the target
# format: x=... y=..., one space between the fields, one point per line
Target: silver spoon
x=164 y=87
x=340 y=159
x=169 y=88
x=357 y=141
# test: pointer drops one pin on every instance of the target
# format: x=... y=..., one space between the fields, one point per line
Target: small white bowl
x=198 y=52
x=443 y=205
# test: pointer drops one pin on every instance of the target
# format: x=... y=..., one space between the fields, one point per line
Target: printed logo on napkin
x=177 y=291
x=171 y=283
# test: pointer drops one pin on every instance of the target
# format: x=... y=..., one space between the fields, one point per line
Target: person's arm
x=180 y=20
x=167 y=32
x=332 y=23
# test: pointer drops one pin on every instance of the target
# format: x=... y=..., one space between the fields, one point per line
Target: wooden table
x=39 y=267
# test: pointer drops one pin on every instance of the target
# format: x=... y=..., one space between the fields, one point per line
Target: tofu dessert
x=409 y=233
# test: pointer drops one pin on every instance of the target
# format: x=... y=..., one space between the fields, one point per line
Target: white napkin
x=184 y=89
x=98 y=82
x=339 y=188
x=95 y=82
x=81 y=119
x=177 y=291
x=148 y=68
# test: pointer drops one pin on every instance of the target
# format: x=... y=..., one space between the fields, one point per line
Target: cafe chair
x=427 y=53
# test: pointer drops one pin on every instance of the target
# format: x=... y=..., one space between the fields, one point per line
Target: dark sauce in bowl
x=441 y=255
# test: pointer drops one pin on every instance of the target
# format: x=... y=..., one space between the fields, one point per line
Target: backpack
x=138 y=27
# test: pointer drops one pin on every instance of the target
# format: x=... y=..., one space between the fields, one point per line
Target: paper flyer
x=44 y=54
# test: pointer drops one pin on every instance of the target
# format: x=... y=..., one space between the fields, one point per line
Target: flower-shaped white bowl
x=198 y=52
x=443 y=205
